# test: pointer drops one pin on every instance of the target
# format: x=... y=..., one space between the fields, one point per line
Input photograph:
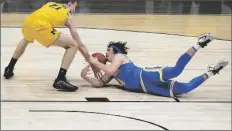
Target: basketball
x=101 y=58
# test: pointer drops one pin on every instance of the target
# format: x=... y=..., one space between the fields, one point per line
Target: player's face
x=109 y=54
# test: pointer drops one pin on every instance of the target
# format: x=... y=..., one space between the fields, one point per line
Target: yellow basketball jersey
x=52 y=13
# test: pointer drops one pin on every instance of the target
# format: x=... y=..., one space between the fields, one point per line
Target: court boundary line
x=68 y=101
x=100 y=113
x=124 y=31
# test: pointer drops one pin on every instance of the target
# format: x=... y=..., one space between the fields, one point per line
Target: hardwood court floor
x=29 y=101
x=189 y=25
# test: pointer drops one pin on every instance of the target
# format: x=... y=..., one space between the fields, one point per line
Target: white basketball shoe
x=204 y=39
x=217 y=67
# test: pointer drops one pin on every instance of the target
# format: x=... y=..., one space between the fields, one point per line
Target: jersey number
x=53 y=31
x=55 y=6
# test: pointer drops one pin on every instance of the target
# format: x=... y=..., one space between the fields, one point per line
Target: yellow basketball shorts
x=44 y=34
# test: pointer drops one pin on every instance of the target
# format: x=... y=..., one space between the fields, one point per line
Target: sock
x=209 y=74
x=12 y=63
x=196 y=47
x=62 y=74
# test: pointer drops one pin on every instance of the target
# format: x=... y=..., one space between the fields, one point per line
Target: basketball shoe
x=215 y=69
x=64 y=85
x=204 y=39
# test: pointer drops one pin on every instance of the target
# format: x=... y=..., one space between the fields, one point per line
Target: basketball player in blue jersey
x=155 y=80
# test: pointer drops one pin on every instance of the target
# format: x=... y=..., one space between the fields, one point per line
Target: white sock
x=209 y=74
x=197 y=47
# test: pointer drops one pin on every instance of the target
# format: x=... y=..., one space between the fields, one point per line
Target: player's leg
x=65 y=41
x=71 y=47
x=180 y=88
x=20 y=49
x=150 y=83
x=51 y=37
x=28 y=34
x=172 y=72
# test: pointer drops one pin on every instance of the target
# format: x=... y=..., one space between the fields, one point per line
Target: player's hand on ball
x=92 y=60
x=100 y=57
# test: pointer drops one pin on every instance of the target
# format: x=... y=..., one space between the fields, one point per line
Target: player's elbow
x=97 y=84
x=110 y=72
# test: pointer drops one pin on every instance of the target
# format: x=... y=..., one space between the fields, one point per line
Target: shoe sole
x=8 y=77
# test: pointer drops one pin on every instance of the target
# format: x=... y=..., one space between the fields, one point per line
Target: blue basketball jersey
x=137 y=79
x=129 y=77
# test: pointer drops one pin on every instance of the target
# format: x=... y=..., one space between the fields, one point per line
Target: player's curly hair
x=119 y=45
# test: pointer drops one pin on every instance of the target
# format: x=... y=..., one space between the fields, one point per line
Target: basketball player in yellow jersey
x=40 y=26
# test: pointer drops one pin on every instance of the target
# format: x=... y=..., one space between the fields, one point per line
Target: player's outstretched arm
x=72 y=28
x=81 y=47
x=95 y=82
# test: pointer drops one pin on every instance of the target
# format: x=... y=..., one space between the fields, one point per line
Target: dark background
x=129 y=6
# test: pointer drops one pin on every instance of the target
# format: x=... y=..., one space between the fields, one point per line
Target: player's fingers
x=87 y=67
x=89 y=70
x=88 y=73
x=99 y=74
x=98 y=77
x=95 y=75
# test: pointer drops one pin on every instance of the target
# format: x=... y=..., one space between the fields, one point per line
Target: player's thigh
x=65 y=41
x=28 y=33
x=47 y=36
x=160 y=88
x=24 y=43
x=152 y=76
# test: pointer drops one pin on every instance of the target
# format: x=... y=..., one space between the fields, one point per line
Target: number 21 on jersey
x=57 y=7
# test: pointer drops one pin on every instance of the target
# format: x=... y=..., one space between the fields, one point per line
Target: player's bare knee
x=74 y=45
